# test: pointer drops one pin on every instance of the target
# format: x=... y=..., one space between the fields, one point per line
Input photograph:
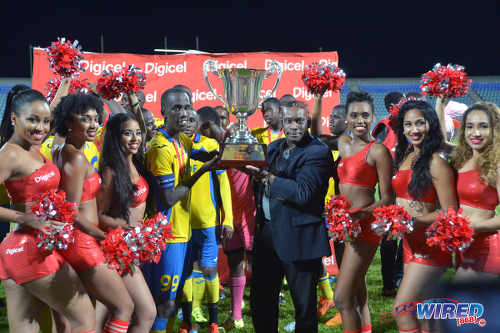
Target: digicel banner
x=165 y=71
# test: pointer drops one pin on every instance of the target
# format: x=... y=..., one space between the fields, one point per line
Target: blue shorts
x=206 y=245
x=167 y=277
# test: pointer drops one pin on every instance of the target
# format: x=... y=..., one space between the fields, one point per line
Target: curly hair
x=421 y=179
x=113 y=157
x=359 y=96
x=74 y=104
x=489 y=158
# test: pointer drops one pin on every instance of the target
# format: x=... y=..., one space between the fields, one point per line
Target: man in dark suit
x=290 y=236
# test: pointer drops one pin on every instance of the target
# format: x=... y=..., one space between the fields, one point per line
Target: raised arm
x=316 y=121
x=62 y=91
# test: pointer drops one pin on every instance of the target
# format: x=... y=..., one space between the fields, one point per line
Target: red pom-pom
x=140 y=245
x=320 y=78
x=339 y=223
x=111 y=85
x=393 y=220
x=394 y=108
x=450 y=231
x=52 y=205
x=446 y=81
x=77 y=85
x=65 y=57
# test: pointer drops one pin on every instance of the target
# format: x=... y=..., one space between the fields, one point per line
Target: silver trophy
x=242 y=88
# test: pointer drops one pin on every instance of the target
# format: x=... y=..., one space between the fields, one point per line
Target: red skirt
x=22 y=261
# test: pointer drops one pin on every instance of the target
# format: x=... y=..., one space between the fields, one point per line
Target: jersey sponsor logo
x=45 y=177
x=14 y=250
x=140 y=191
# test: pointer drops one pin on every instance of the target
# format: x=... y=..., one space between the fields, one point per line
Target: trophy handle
x=274 y=67
x=209 y=66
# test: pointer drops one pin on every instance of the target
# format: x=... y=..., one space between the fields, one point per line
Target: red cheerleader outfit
x=354 y=170
x=141 y=194
x=20 y=258
x=414 y=247
x=85 y=252
x=484 y=253
x=391 y=139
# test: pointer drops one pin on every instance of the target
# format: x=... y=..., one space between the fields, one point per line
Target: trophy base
x=239 y=155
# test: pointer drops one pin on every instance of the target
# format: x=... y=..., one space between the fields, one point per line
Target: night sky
x=373 y=38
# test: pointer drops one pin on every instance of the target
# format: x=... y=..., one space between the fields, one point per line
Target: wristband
x=135 y=104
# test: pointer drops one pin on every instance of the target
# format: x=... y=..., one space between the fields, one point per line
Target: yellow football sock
x=199 y=285
x=325 y=287
x=188 y=290
x=170 y=324
x=213 y=289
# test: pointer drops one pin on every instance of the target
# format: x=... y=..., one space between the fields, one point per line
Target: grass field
x=378 y=305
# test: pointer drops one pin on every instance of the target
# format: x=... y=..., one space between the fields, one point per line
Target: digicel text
x=97 y=68
x=228 y=64
x=303 y=93
x=297 y=66
x=160 y=69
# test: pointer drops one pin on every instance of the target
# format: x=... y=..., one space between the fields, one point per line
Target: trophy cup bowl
x=242 y=88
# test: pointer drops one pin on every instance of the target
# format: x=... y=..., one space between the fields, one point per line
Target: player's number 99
x=168 y=282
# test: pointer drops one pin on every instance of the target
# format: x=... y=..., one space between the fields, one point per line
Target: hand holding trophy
x=242 y=97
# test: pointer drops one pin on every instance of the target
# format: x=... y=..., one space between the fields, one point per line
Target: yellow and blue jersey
x=168 y=162
x=203 y=206
x=265 y=135
x=331 y=182
x=90 y=151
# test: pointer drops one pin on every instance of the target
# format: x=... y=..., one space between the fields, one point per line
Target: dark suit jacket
x=297 y=199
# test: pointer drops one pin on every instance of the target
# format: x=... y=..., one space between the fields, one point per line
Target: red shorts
x=483 y=255
x=367 y=234
x=415 y=250
x=242 y=238
x=22 y=261
x=84 y=253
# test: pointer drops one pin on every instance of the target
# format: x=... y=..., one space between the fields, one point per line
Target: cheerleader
x=477 y=160
x=76 y=119
x=364 y=164
x=29 y=277
x=122 y=202
x=423 y=182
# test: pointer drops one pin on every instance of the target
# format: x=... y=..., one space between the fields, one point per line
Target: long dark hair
x=18 y=96
x=421 y=179
x=113 y=156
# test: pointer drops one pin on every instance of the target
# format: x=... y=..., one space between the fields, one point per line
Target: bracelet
x=135 y=104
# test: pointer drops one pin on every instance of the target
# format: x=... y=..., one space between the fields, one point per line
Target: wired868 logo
x=463 y=313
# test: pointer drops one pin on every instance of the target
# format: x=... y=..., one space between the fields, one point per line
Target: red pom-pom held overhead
x=52 y=205
x=450 y=231
x=65 y=57
x=320 y=78
x=77 y=85
x=339 y=223
x=111 y=85
x=446 y=81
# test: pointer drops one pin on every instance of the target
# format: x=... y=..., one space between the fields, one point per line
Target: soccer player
x=211 y=215
x=274 y=129
x=167 y=159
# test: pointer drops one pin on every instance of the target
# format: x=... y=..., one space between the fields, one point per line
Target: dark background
x=373 y=38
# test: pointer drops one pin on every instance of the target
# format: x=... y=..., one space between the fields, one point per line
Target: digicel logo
x=96 y=68
x=160 y=69
x=297 y=66
x=304 y=94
